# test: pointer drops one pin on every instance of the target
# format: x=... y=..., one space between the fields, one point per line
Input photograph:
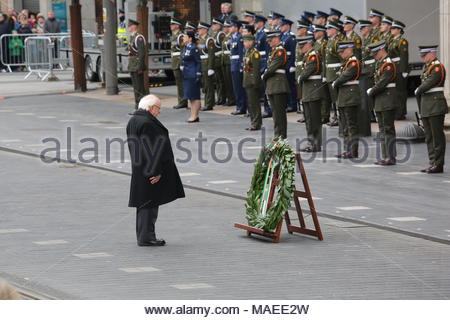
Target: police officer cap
x=364 y=23
x=227 y=24
x=273 y=34
x=175 y=21
x=249 y=14
x=398 y=24
x=259 y=18
x=249 y=37
x=335 y=12
x=309 y=14
x=217 y=21
x=348 y=19
x=321 y=14
x=236 y=23
x=276 y=15
x=303 y=23
x=332 y=24
x=375 y=13
x=285 y=21
x=132 y=22
x=203 y=25
x=374 y=47
x=425 y=49
x=248 y=27
x=342 y=45
x=318 y=27
x=387 y=19
x=189 y=25
x=302 y=40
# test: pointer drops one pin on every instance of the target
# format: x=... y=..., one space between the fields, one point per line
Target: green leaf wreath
x=284 y=157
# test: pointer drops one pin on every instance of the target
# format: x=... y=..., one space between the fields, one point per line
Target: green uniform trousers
x=179 y=82
x=209 y=89
x=137 y=80
x=387 y=135
x=228 y=85
x=313 y=121
x=278 y=104
x=350 y=132
x=254 y=106
x=220 y=86
x=435 y=139
x=402 y=92
x=326 y=103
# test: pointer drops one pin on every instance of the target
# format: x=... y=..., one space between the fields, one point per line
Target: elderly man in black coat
x=155 y=179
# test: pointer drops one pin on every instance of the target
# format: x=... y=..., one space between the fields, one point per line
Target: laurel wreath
x=283 y=154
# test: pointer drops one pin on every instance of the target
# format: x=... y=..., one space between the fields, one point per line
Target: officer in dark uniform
x=189 y=26
x=385 y=101
x=175 y=48
x=320 y=46
x=237 y=56
x=207 y=47
x=252 y=81
x=264 y=50
x=349 y=97
x=310 y=79
x=136 y=61
x=334 y=14
x=249 y=17
x=321 y=18
x=289 y=44
x=309 y=16
x=218 y=35
x=433 y=107
x=277 y=19
x=303 y=25
x=226 y=65
x=277 y=86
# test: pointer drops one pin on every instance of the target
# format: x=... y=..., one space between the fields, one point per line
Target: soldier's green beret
x=348 y=19
x=364 y=23
x=374 y=47
x=132 y=22
x=342 y=45
x=426 y=49
x=175 y=21
x=249 y=37
x=375 y=13
x=303 y=40
x=387 y=19
x=333 y=24
x=398 y=24
x=273 y=34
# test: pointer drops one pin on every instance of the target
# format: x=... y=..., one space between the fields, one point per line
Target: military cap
x=375 y=13
x=259 y=18
x=249 y=14
x=387 y=19
x=285 y=21
x=364 y=23
x=249 y=27
x=340 y=23
x=309 y=14
x=342 y=45
x=273 y=34
x=425 y=49
x=332 y=24
x=318 y=27
x=175 y=21
x=374 y=47
x=217 y=21
x=321 y=14
x=203 y=25
x=348 y=19
x=398 y=24
x=303 y=23
x=227 y=23
x=276 y=15
x=302 y=40
x=189 y=25
x=132 y=22
x=335 y=12
x=235 y=23
x=249 y=37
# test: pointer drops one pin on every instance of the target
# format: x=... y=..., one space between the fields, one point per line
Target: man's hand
x=154 y=180
x=404 y=74
x=333 y=85
x=210 y=72
x=416 y=91
x=181 y=68
x=292 y=69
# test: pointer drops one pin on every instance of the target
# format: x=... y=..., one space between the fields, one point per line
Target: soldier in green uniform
x=277 y=86
x=349 y=97
x=252 y=82
x=176 y=47
x=302 y=31
x=332 y=65
x=136 y=61
x=226 y=66
x=207 y=48
x=385 y=30
x=310 y=79
x=385 y=102
x=398 y=51
x=367 y=67
x=433 y=107
x=320 y=46
x=218 y=35
x=375 y=17
x=351 y=35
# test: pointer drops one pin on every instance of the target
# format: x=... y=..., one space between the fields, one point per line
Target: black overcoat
x=151 y=155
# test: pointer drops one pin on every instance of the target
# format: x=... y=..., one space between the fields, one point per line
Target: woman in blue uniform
x=191 y=67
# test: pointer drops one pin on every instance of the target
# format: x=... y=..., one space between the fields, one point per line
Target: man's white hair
x=148 y=101
x=226 y=4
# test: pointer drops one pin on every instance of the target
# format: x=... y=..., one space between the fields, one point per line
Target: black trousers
x=145 y=224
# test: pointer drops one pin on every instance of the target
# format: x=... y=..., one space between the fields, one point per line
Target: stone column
x=444 y=21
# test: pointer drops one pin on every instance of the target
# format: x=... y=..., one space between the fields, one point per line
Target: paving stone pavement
x=66 y=229
x=396 y=197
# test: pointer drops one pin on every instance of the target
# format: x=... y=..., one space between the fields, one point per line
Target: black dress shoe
x=180 y=106
x=252 y=129
x=153 y=243
x=301 y=120
x=436 y=169
x=236 y=113
x=379 y=162
x=389 y=162
x=221 y=103
x=426 y=169
x=267 y=115
x=350 y=155
x=206 y=108
x=192 y=121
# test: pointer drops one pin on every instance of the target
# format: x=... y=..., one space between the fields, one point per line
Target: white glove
x=415 y=91
x=369 y=91
x=404 y=74
x=262 y=77
x=333 y=85
x=298 y=80
x=210 y=72
x=292 y=69
x=324 y=79
x=181 y=68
